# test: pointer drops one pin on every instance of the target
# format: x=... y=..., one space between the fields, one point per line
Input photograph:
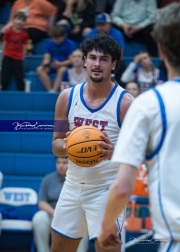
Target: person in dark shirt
x=49 y=191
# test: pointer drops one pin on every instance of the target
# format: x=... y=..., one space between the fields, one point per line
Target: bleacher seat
x=17 y=205
x=28 y=142
x=27 y=164
x=22 y=181
x=33 y=115
x=20 y=101
x=31 y=62
x=36 y=84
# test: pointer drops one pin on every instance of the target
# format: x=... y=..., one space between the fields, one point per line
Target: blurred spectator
x=143 y=72
x=40 y=17
x=135 y=18
x=103 y=25
x=76 y=74
x=80 y=15
x=60 y=5
x=133 y=88
x=163 y=3
x=56 y=59
x=104 y=6
x=49 y=191
x=14 y=50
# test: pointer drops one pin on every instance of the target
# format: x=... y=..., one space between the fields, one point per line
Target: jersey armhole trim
x=118 y=107
x=164 y=125
x=70 y=99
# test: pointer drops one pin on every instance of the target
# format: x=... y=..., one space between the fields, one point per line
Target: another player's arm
x=61 y=110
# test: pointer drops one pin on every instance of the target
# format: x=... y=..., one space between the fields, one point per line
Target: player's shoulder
x=65 y=94
x=126 y=100
x=146 y=102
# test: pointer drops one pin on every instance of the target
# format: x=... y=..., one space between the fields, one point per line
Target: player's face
x=62 y=166
x=77 y=58
x=99 y=66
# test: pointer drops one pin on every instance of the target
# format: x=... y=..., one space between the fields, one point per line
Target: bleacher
x=25 y=157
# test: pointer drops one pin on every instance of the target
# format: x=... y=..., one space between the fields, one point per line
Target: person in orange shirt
x=40 y=17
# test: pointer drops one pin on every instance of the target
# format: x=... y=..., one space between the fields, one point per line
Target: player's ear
x=161 y=51
x=84 y=61
x=114 y=65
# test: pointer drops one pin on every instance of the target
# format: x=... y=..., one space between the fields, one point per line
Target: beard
x=96 y=79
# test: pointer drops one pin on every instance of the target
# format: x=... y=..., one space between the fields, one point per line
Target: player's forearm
x=119 y=194
x=116 y=203
x=58 y=147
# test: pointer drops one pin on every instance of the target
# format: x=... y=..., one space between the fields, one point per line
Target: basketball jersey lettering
x=79 y=121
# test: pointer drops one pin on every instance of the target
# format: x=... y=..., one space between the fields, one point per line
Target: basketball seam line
x=84 y=142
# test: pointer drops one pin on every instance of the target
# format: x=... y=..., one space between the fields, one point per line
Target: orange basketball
x=82 y=146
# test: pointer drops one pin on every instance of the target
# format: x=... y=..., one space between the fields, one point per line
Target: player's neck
x=101 y=89
x=173 y=73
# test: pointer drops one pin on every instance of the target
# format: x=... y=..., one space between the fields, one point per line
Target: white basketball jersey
x=164 y=164
x=107 y=118
x=155 y=131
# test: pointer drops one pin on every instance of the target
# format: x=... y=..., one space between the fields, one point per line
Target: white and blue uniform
x=154 y=135
x=82 y=200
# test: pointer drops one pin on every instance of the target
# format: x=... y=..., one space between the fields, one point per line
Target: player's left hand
x=109 y=238
x=107 y=145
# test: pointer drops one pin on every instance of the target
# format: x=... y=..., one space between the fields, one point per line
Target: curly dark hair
x=167 y=32
x=102 y=43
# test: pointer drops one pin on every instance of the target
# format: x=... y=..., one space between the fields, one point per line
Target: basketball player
x=103 y=104
x=153 y=124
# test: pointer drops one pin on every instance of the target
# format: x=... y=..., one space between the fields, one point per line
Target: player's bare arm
x=119 y=194
x=61 y=110
x=108 y=146
x=126 y=102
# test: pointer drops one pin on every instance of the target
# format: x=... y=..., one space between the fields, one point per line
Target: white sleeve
x=129 y=74
x=134 y=135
